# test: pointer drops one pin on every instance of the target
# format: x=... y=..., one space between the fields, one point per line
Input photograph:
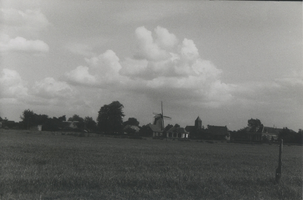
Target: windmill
x=159 y=118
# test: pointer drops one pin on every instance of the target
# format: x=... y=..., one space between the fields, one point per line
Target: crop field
x=44 y=165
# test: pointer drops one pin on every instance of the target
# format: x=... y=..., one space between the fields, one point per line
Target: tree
x=288 y=136
x=28 y=118
x=131 y=121
x=51 y=124
x=299 y=137
x=103 y=118
x=40 y=119
x=254 y=125
x=146 y=131
x=110 y=117
x=177 y=126
x=62 y=118
x=89 y=123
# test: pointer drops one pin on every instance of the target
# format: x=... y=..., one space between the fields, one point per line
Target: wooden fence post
x=279 y=169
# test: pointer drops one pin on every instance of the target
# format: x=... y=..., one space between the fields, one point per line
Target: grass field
x=40 y=165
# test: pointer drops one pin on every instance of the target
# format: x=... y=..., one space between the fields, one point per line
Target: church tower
x=198 y=123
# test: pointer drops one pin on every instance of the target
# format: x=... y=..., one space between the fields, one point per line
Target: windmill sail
x=159 y=118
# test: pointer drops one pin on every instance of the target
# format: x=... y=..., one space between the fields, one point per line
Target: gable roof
x=218 y=130
x=257 y=129
x=198 y=119
x=271 y=130
x=190 y=128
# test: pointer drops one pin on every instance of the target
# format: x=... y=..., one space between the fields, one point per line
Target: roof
x=271 y=130
x=176 y=130
x=198 y=119
x=154 y=128
x=218 y=130
x=190 y=128
x=254 y=129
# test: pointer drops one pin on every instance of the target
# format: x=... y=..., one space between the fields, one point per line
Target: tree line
x=110 y=121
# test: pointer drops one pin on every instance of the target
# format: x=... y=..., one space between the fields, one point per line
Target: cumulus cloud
x=29 y=22
x=81 y=75
x=22 y=44
x=166 y=66
x=49 y=91
x=12 y=85
x=162 y=66
x=103 y=70
x=148 y=49
x=165 y=39
x=51 y=88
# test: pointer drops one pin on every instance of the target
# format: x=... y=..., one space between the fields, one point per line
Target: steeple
x=198 y=123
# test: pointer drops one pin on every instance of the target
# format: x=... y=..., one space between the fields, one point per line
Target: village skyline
x=166 y=121
x=226 y=62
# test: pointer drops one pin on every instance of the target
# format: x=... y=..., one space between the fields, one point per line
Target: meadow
x=44 y=165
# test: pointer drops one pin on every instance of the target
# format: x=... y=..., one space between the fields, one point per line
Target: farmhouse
x=177 y=132
x=271 y=133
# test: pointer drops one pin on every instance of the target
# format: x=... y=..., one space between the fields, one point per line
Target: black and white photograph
x=151 y=99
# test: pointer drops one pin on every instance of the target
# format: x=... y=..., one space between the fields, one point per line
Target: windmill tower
x=159 y=118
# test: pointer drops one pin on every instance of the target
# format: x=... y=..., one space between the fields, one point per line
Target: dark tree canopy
x=146 y=131
x=62 y=118
x=28 y=118
x=76 y=118
x=110 y=117
x=254 y=123
x=131 y=121
x=90 y=124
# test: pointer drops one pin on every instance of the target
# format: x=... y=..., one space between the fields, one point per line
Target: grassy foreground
x=39 y=165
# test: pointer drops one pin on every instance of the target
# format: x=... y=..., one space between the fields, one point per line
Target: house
x=177 y=132
x=271 y=133
x=219 y=132
x=7 y=124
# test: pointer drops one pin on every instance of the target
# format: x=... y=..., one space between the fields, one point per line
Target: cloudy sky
x=225 y=61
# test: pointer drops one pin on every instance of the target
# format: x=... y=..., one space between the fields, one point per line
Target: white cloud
x=13 y=90
x=22 y=44
x=12 y=85
x=29 y=22
x=81 y=75
x=165 y=39
x=51 y=88
x=148 y=49
x=189 y=50
x=103 y=70
x=163 y=66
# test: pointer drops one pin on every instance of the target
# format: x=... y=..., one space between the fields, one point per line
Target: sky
x=225 y=61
